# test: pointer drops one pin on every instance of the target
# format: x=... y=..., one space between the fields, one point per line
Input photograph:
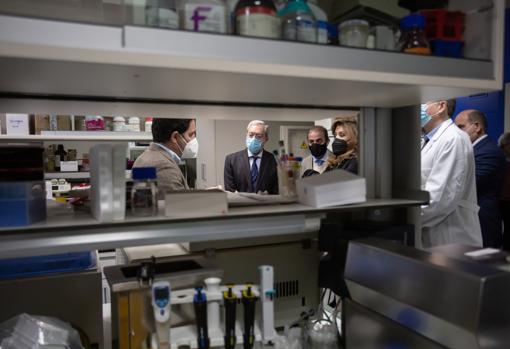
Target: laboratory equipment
x=144 y=191
x=288 y=174
x=412 y=39
x=248 y=300
x=161 y=305
x=130 y=295
x=354 y=33
x=229 y=302
x=257 y=18
x=267 y=294
x=134 y=124
x=298 y=22
x=200 y=305
x=395 y=298
x=148 y=124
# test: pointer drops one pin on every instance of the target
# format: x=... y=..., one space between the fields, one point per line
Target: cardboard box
x=195 y=203
x=332 y=188
x=42 y=123
x=17 y=124
x=68 y=166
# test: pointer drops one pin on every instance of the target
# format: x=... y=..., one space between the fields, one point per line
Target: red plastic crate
x=443 y=24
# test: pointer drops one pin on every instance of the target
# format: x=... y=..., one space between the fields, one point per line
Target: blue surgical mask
x=424 y=116
x=254 y=145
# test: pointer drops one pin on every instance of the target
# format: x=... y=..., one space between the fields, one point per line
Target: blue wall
x=492 y=104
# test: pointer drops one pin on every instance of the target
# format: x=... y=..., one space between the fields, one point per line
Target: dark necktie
x=254 y=172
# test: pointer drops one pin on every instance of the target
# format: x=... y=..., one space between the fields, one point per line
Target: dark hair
x=450 y=106
x=162 y=129
x=478 y=116
x=320 y=129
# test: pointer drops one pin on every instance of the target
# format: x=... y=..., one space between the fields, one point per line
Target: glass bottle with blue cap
x=144 y=191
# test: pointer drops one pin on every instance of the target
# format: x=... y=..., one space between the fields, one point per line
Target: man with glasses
x=490 y=168
x=448 y=174
x=252 y=169
x=317 y=161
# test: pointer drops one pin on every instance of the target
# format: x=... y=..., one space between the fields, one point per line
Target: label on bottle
x=306 y=31
x=258 y=21
x=300 y=30
x=322 y=35
x=205 y=18
x=418 y=50
x=162 y=17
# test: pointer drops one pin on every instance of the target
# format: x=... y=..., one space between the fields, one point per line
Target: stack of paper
x=332 y=188
x=108 y=182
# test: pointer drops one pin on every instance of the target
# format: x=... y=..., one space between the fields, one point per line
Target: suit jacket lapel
x=263 y=166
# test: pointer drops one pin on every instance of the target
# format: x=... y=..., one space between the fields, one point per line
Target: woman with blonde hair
x=345 y=145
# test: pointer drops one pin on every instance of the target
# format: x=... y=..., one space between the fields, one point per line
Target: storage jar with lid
x=298 y=22
x=257 y=18
x=354 y=33
x=413 y=39
x=134 y=124
x=162 y=13
x=119 y=124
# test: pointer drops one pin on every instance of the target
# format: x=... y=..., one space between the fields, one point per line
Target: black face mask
x=318 y=150
x=339 y=146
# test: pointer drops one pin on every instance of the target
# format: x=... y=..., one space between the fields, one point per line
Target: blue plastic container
x=42 y=265
x=447 y=48
x=22 y=203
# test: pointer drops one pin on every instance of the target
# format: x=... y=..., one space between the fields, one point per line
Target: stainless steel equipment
x=403 y=296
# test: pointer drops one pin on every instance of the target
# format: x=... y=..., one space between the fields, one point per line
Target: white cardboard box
x=68 y=166
x=17 y=124
x=332 y=188
x=195 y=203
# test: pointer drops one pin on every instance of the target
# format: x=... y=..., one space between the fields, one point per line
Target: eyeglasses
x=259 y=136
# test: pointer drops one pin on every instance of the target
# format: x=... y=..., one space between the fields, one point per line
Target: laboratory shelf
x=68 y=231
x=74 y=175
x=81 y=136
x=168 y=65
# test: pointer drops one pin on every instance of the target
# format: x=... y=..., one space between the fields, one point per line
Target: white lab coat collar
x=442 y=128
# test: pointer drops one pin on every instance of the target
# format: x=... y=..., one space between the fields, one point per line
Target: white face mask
x=190 y=150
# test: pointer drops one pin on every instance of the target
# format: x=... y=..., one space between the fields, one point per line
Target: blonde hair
x=258 y=123
x=350 y=125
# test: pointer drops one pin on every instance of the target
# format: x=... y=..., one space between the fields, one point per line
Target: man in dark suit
x=490 y=167
x=252 y=169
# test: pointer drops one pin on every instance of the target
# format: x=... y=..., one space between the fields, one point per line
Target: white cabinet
x=96 y=61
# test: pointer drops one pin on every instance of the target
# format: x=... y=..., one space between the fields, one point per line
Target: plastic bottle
x=298 y=22
x=119 y=124
x=203 y=15
x=147 y=127
x=162 y=13
x=257 y=18
x=60 y=155
x=413 y=39
x=134 y=124
x=144 y=191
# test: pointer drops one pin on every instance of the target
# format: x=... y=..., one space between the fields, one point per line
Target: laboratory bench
x=66 y=230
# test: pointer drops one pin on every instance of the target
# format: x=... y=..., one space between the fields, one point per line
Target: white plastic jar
x=354 y=33
x=134 y=124
x=119 y=124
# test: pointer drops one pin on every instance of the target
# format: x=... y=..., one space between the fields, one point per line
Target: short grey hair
x=258 y=123
x=504 y=139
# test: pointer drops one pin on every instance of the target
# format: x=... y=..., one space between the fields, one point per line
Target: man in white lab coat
x=448 y=174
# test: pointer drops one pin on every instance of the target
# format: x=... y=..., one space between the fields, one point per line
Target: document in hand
x=332 y=188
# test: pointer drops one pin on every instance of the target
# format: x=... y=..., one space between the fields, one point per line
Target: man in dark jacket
x=490 y=167
x=252 y=169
